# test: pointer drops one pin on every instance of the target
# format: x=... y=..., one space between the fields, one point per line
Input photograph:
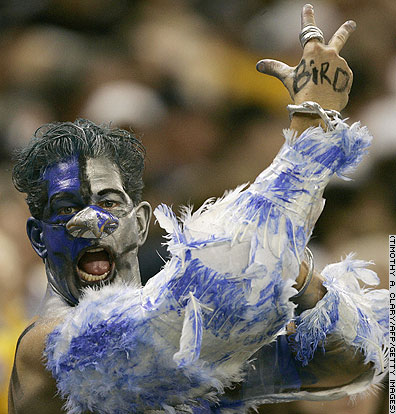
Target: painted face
x=90 y=232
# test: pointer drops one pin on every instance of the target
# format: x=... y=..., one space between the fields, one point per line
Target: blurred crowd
x=181 y=74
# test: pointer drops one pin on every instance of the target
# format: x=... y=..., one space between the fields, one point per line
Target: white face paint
x=104 y=188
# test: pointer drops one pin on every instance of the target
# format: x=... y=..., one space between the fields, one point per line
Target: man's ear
x=143 y=216
x=35 y=233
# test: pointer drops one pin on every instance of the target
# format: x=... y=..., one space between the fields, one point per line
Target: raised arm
x=292 y=187
x=333 y=312
x=322 y=76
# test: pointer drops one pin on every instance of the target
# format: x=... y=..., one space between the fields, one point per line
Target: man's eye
x=65 y=211
x=108 y=204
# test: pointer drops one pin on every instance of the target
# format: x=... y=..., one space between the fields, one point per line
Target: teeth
x=89 y=277
x=92 y=278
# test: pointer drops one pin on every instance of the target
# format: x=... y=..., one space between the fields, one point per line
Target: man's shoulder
x=31 y=342
x=31 y=383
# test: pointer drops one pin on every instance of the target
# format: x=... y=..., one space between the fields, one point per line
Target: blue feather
x=312 y=329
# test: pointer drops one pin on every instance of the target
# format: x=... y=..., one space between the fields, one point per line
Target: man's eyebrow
x=112 y=191
x=62 y=195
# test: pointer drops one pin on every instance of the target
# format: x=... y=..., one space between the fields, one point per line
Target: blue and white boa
x=174 y=344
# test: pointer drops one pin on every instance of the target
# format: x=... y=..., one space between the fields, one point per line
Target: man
x=236 y=284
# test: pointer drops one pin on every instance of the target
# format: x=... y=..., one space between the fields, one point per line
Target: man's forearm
x=301 y=122
x=313 y=292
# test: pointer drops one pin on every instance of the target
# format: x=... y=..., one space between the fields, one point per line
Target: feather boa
x=178 y=341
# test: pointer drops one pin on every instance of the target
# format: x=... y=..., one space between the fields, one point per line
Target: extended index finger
x=307 y=16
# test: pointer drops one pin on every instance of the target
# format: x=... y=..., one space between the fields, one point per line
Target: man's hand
x=322 y=75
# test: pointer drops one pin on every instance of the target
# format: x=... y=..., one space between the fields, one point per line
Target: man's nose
x=92 y=223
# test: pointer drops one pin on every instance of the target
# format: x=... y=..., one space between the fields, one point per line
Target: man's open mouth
x=95 y=265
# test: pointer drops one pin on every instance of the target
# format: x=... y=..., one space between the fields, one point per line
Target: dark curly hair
x=54 y=142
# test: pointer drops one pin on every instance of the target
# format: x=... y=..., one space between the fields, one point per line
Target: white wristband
x=309 y=107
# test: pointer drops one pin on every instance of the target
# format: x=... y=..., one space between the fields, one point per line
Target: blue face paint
x=62 y=249
x=64 y=187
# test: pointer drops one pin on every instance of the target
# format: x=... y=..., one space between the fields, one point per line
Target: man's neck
x=52 y=306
